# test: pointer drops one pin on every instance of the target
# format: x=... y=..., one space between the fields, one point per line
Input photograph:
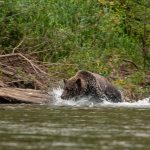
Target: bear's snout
x=62 y=97
x=65 y=95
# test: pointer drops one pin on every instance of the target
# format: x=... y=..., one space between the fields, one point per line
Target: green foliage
x=53 y=29
x=138 y=25
x=91 y=60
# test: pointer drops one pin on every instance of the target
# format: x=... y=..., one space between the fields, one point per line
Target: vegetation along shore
x=43 y=42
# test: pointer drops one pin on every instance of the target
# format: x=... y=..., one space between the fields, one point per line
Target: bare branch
x=20 y=43
x=126 y=60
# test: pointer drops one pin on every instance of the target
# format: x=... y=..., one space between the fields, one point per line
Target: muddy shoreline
x=22 y=81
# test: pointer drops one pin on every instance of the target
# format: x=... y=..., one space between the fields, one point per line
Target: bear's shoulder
x=84 y=73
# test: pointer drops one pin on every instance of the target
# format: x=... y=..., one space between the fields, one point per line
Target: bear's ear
x=78 y=82
x=65 y=81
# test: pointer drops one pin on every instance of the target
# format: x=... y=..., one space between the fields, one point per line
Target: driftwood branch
x=16 y=66
x=33 y=65
x=25 y=58
x=17 y=95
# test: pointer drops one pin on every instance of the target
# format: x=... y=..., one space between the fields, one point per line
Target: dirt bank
x=22 y=80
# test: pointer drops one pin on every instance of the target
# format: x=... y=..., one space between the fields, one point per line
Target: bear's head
x=72 y=88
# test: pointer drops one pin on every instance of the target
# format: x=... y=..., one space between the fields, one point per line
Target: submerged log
x=18 y=95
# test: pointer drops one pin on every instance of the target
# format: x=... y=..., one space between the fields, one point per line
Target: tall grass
x=55 y=29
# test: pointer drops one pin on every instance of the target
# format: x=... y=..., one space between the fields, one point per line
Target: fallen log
x=18 y=95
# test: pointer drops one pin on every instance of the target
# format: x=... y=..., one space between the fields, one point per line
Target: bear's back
x=102 y=85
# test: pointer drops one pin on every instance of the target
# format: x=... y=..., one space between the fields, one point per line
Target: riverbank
x=23 y=81
x=19 y=71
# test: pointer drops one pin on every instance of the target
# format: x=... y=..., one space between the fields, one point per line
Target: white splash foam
x=85 y=102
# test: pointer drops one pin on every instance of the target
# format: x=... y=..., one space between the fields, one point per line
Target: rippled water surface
x=71 y=126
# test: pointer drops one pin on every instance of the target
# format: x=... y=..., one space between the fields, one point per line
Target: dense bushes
x=54 y=29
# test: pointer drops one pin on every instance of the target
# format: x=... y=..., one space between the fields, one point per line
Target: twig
x=13 y=51
x=126 y=60
x=7 y=72
x=8 y=67
x=2 y=84
x=15 y=81
x=8 y=55
x=55 y=64
x=33 y=65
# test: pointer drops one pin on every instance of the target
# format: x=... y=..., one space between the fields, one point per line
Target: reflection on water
x=68 y=126
x=47 y=127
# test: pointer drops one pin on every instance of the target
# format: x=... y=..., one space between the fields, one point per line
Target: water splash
x=85 y=102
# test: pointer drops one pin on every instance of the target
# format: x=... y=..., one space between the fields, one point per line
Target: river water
x=70 y=125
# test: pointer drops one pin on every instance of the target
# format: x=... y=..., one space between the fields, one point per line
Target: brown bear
x=86 y=83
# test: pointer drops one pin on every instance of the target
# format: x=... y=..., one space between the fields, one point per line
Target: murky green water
x=39 y=127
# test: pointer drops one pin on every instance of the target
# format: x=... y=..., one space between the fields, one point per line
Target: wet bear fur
x=86 y=83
